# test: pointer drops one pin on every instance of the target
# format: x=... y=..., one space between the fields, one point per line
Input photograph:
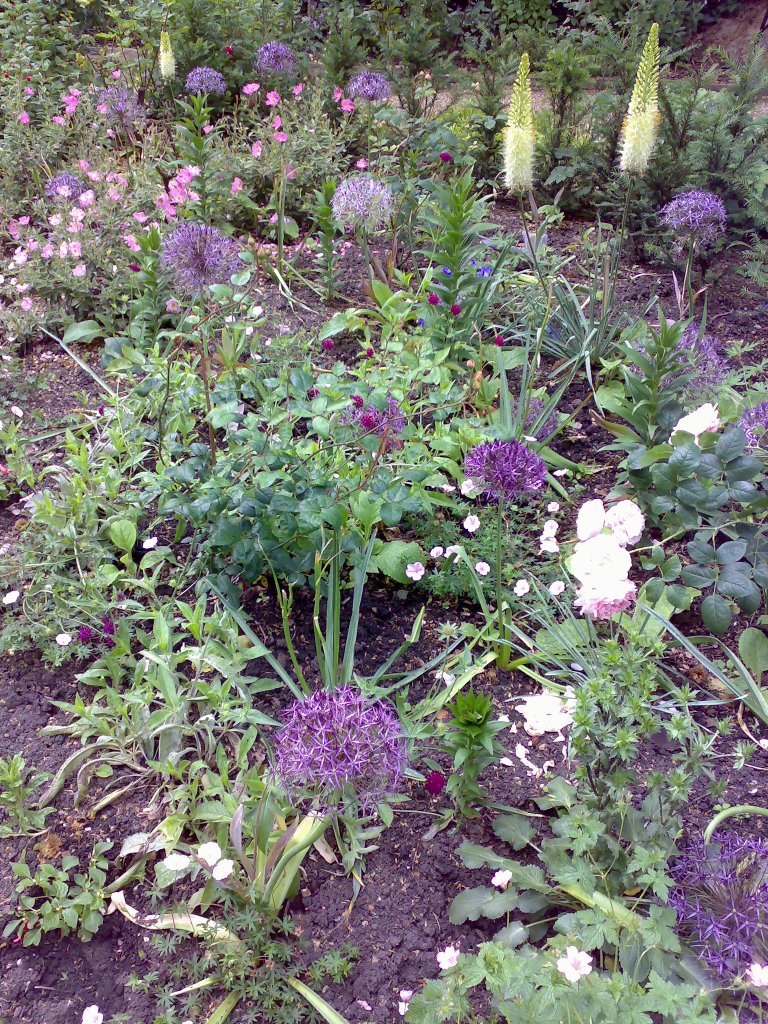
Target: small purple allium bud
x=499 y=341
x=455 y=309
x=369 y=85
x=198 y=256
x=313 y=393
x=205 y=80
x=433 y=299
x=336 y=747
x=327 y=344
x=108 y=626
x=508 y=469
x=358 y=401
x=435 y=783
x=85 y=634
x=446 y=158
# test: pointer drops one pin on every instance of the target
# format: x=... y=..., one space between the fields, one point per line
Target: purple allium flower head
x=363 y=202
x=121 y=108
x=506 y=469
x=276 y=58
x=85 y=634
x=388 y=424
x=199 y=255
x=205 y=80
x=543 y=430
x=108 y=626
x=752 y=420
x=696 y=217
x=721 y=901
x=369 y=85
x=337 y=746
x=709 y=367
x=64 y=186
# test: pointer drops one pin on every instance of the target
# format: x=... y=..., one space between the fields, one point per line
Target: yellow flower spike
x=519 y=136
x=639 y=128
x=167 y=60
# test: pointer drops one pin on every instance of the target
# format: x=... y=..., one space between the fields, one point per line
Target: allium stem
x=503 y=648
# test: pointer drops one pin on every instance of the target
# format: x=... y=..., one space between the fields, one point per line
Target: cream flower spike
x=639 y=129
x=519 y=135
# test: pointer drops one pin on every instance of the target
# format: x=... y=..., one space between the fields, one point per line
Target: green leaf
x=122 y=533
x=394 y=556
x=731 y=551
x=730 y=444
x=716 y=614
x=84 y=332
x=699 y=576
x=472 y=904
x=753 y=650
x=514 y=829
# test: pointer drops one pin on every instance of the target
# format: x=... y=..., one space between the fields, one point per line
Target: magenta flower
x=455 y=309
x=433 y=299
x=435 y=783
x=347 y=106
x=446 y=158
x=273 y=98
x=327 y=344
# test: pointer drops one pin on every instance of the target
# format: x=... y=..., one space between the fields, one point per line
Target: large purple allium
x=752 y=421
x=199 y=255
x=709 y=367
x=336 y=747
x=205 y=80
x=276 y=58
x=505 y=469
x=721 y=901
x=369 y=85
x=64 y=186
x=388 y=424
x=121 y=108
x=695 y=217
x=363 y=202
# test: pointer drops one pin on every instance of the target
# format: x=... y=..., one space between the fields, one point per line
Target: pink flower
x=86 y=199
x=548 y=545
x=79 y=270
x=280 y=137
x=521 y=588
x=47 y=251
x=414 y=571
x=556 y=588
x=482 y=568
x=24 y=117
x=273 y=98
x=626 y=522
x=471 y=524
x=347 y=106
x=23 y=221
x=58 y=119
x=448 y=957
x=553 y=506
x=501 y=879
x=140 y=218
x=236 y=186
x=75 y=250
x=172 y=306
x=26 y=304
x=405 y=997
x=130 y=241
x=590 y=520
x=277 y=124
x=361 y=164
x=28 y=91
x=256 y=149
x=575 y=964
x=207 y=129
x=337 y=94
x=436 y=552
x=83 y=165
x=251 y=88
x=603 y=597
x=117 y=74
x=114 y=194
x=298 y=89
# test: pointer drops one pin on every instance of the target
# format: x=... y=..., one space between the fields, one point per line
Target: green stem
x=503 y=648
x=732 y=812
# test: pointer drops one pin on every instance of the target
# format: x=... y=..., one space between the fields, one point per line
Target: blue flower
x=447 y=272
x=485 y=271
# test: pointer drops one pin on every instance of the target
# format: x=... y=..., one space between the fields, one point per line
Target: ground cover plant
x=383 y=512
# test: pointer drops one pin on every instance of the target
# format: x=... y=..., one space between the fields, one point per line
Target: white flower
x=701 y=421
x=550 y=528
x=448 y=488
x=561 y=472
x=553 y=506
x=575 y=964
x=91 y=1015
x=601 y=556
x=447 y=677
x=556 y=588
x=521 y=588
x=63 y=639
x=223 y=870
x=591 y=519
x=452 y=549
x=626 y=522
x=548 y=544
x=545 y=712
x=11 y=597
x=436 y=552
x=406 y=995
x=501 y=879
x=414 y=571
x=482 y=568
x=177 y=862
x=448 y=957
x=149 y=543
x=757 y=975
x=468 y=487
x=471 y=524
x=17 y=411
x=209 y=854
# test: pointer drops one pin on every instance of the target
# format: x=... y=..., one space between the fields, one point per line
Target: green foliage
x=18 y=785
x=469 y=740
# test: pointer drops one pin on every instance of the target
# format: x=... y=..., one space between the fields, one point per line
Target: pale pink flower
x=277 y=122
x=172 y=306
x=58 y=119
x=87 y=198
x=337 y=94
x=603 y=597
x=298 y=89
x=548 y=545
x=452 y=550
x=601 y=557
x=207 y=129
x=114 y=194
x=757 y=975
x=448 y=957
x=251 y=88
x=236 y=186
x=64 y=639
x=590 y=520
x=273 y=98
x=703 y=420
x=626 y=522
x=482 y=568
x=556 y=588
x=140 y=218
x=223 y=869
x=361 y=164
x=347 y=106
x=94 y=175
x=117 y=74
x=79 y=270
x=28 y=91
x=256 y=149
x=414 y=571
x=26 y=304
x=575 y=964
x=47 y=251
x=130 y=241
x=24 y=117
x=468 y=487
x=521 y=588
x=501 y=879
x=92 y=1015
x=436 y=552
x=280 y=137
x=471 y=524
x=553 y=506
x=75 y=250
x=209 y=854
